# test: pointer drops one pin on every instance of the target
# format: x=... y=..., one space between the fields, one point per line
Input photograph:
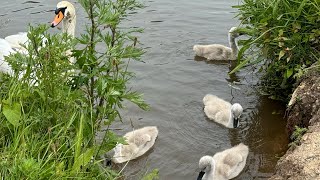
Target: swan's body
x=139 y=142
x=17 y=40
x=217 y=51
x=13 y=43
x=5 y=50
x=224 y=165
x=10 y=45
x=222 y=111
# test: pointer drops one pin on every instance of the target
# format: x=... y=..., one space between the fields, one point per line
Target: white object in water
x=224 y=165
x=217 y=51
x=222 y=111
x=65 y=13
x=139 y=142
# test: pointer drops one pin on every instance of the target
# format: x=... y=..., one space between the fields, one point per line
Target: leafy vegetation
x=283 y=40
x=51 y=110
x=297 y=135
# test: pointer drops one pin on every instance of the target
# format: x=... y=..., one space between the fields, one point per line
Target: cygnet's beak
x=57 y=19
x=201 y=174
x=235 y=122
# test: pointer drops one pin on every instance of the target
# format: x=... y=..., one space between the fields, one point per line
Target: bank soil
x=303 y=162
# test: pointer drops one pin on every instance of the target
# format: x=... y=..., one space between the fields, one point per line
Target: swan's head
x=205 y=165
x=236 y=110
x=65 y=11
x=233 y=32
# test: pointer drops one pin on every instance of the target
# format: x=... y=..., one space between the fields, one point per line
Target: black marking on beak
x=60 y=9
x=235 y=122
x=201 y=174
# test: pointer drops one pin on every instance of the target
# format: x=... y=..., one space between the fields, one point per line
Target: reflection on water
x=174 y=82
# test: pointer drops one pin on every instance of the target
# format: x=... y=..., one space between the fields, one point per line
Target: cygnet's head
x=233 y=32
x=205 y=164
x=65 y=11
x=236 y=110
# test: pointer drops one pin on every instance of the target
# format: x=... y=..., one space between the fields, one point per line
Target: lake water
x=174 y=82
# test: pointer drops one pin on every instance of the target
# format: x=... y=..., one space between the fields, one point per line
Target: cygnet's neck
x=231 y=119
x=210 y=170
x=69 y=25
x=233 y=46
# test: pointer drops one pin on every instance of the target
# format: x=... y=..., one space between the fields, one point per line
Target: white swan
x=139 y=142
x=224 y=165
x=222 y=111
x=65 y=12
x=217 y=51
x=5 y=50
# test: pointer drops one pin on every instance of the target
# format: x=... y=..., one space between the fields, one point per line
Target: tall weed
x=51 y=110
x=283 y=38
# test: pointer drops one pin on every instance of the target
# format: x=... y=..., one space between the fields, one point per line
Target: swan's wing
x=223 y=117
x=123 y=153
x=210 y=99
x=211 y=111
x=212 y=51
x=5 y=50
x=17 y=40
x=235 y=163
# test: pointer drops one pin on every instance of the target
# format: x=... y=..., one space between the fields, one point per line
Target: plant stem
x=92 y=48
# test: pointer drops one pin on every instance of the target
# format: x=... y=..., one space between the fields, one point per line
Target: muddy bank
x=303 y=161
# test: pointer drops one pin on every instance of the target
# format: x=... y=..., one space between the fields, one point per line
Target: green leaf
x=12 y=113
x=289 y=72
x=82 y=160
x=281 y=54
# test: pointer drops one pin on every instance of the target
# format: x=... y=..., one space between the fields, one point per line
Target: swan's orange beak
x=57 y=19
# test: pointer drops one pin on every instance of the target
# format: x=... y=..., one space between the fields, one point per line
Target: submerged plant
x=51 y=110
x=283 y=39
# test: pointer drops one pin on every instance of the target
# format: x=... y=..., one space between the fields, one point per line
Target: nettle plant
x=283 y=40
x=52 y=110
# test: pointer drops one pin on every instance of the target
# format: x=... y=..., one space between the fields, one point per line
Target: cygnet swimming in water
x=217 y=51
x=139 y=142
x=224 y=165
x=222 y=111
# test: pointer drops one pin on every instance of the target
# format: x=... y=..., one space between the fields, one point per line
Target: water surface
x=174 y=82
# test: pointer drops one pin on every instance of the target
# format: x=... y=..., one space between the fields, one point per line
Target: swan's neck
x=233 y=46
x=69 y=26
x=211 y=170
x=231 y=119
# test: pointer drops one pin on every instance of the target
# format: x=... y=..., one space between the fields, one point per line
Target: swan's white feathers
x=17 y=40
x=5 y=50
x=221 y=111
x=213 y=52
x=138 y=143
x=227 y=164
x=219 y=52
